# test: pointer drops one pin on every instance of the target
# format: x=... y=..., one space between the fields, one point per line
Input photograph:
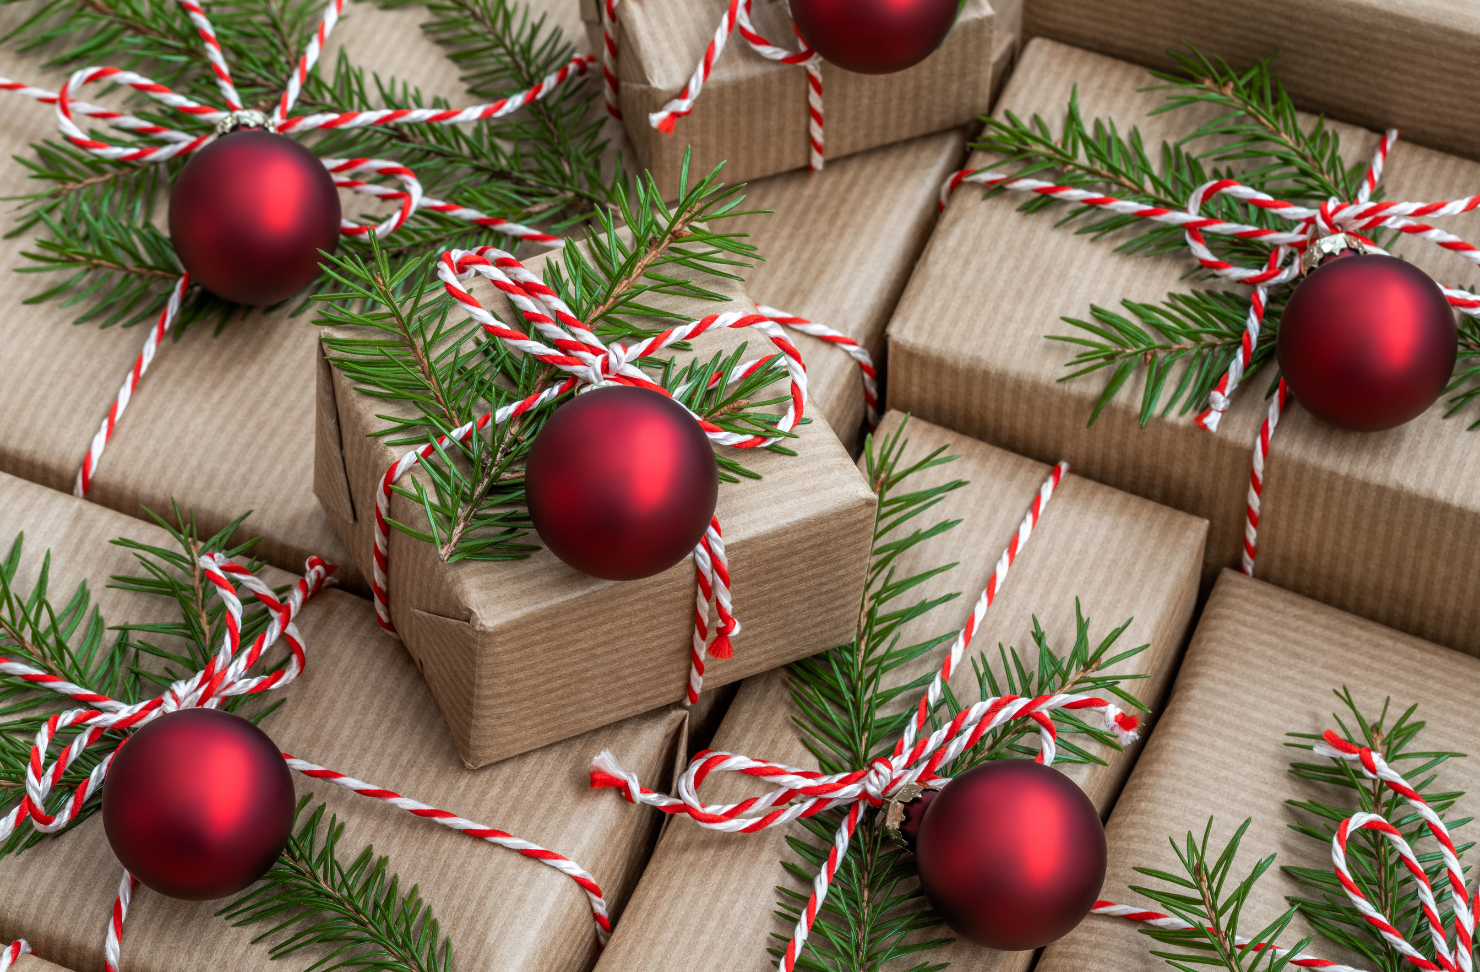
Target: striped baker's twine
x=847 y=345
x=803 y=793
x=1356 y=218
x=409 y=198
x=225 y=676
x=1458 y=957
x=12 y=953
x=736 y=14
x=574 y=349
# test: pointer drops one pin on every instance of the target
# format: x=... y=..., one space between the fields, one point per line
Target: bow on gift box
x=913 y=761
x=224 y=677
x=1333 y=217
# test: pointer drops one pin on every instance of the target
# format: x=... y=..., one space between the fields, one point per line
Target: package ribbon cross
x=409 y=197
x=737 y=14
x=913 y=761
x=1283 y=266
x=224 y=677
x=1458 y=958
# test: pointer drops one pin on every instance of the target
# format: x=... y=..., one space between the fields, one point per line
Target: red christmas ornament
x=874 y=36
x=1011 y=854
x=249 y=214
x=621 y=483
x=1367 y=342
x=198 y=804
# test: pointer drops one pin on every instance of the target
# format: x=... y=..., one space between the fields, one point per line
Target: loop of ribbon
x=225 y=676
x=737 y=14
x=1355 y=218
x=804 y=793
x=1447 y=958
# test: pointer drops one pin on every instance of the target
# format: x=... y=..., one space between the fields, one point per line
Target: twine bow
x=224 y=677
x=1354 y=218
x=1458 y=958
x=737 y=14
x=409 y=198
x=913 y=761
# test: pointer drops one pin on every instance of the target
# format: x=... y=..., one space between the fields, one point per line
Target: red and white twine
x=736 y=14
x=1356 y=218
x=803 y=793
x=409 y=196
x=224 y=677
x=1456 y=958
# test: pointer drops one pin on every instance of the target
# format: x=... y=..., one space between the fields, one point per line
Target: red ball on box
x=249 y=214
x=198 y=804
x=1011 y=854
x=874 y=36
x=621 y=482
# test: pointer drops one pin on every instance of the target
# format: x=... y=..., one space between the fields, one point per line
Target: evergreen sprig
x=401 y=338
x=68 y=638
x=1202 y=897
x=97 y=220
x=875 y=913
x=1377 y=868
x=352 y=916
x=1184 y=343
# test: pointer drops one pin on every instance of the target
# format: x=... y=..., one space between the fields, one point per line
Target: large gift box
x=752 y=113
x=483 y=632
x=359 y=708
x=712 y=895
x=1263 y=663
x=1316 y=43
x=1378 y=524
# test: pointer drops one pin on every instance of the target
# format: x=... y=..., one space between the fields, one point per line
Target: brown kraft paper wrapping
x=30 y=963
x=1376 y=524
x=360 y=709
x=483 y=633
x=1264 y=662
x=186 y=434
x=752 y=113
x=839 y=246
x=711 y=896
x=1431 y=99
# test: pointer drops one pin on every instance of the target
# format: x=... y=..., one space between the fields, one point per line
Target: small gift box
x=483 y=632
x=1115 y=557
x=760 y=116
x=1374 y=523
x=1265 y=664
x=357 y=709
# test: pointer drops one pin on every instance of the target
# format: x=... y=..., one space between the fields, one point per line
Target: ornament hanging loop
x=1329 y=246
x=244 y=118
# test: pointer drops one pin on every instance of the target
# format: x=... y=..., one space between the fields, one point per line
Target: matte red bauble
x=249 y=214
x=1011 y=854
x=621 y=483
x=198 y=804
x=1367 y=342
x=874 y=36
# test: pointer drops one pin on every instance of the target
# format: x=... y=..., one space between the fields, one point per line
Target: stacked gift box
x=922 y=312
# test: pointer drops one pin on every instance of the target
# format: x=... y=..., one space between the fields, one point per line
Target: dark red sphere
x=874 y=36
x=621 y=483
x=1011 y=854
x=198 y=804
x=1367 y=342
x=249 y=214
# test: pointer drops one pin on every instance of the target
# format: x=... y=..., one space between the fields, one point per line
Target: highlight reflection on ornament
x=874 y=36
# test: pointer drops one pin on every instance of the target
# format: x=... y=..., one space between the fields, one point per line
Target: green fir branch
x=875 y=914
x=1202 y=897
x=352 y=916
x=1378 y=870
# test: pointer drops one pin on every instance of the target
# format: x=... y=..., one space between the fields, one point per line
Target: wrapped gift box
x=752 y=113
x=483 y=632
x=1377 y=524
x=1267 y=662
x=713 y=895
x=1317 y=43
x=358 y=708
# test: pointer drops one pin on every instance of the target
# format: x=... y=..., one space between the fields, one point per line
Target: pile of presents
x=512 y=676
